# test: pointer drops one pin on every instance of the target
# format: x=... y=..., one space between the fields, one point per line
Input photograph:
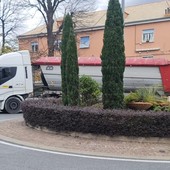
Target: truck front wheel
x=13 y=105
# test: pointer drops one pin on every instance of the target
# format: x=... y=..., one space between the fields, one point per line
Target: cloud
x=102 y=4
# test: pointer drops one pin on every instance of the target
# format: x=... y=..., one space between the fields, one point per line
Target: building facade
x=146 y=33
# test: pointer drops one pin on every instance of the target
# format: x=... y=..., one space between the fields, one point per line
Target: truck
x=16 y=75
x=16 y=81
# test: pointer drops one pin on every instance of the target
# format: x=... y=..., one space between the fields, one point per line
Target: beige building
x=147 y=33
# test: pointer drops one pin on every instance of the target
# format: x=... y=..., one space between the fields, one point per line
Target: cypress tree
x=113 y=57
x=72 y=71
x=65 y=35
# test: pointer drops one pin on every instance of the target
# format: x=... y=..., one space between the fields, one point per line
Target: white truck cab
x=15 y=80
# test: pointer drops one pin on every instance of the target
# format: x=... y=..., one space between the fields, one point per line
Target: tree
x=72 y=70
x=6 y=49
x=11 y=19
x=113 y=57
x=66 y=32
x=48 y=9
x=69 y=64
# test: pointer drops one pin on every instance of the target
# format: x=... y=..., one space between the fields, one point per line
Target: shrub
x=142 y=95
x=131 y=97
x=89 y=91
x=161 y=105
x=52 y=115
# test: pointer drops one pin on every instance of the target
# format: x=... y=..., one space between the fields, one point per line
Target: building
x=146 y=33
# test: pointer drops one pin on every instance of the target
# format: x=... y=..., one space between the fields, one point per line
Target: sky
x=101 y=4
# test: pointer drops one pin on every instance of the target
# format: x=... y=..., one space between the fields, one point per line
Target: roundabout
x=20 y=144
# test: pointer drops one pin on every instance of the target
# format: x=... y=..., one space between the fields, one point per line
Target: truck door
x=19 y=81
x=28 y=79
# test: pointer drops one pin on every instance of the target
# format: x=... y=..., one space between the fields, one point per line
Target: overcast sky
x=101 y=4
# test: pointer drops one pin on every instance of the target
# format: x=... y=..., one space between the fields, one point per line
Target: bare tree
x=11 y=18
x=50 y=8
x=79 y=10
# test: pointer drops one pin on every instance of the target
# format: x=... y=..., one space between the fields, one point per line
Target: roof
x=96 y=61
x=148 y=11
x=39 y=30
x=144 y=12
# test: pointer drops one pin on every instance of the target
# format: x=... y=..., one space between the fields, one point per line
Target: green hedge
x=49 y=113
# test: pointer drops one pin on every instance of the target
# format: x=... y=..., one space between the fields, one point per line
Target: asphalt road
x=6 y=116
x=16 y=157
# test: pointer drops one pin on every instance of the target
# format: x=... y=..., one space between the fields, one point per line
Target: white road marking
x=7 y=119
x=3 y=120
x=84 y=156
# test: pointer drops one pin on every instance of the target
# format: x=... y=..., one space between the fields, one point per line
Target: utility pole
x=123 y=9
x=123 y=6
x=1 y=13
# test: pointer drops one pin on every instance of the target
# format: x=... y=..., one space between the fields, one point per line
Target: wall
x=25 y=44
x=133 y=42
x=96 y=43
x=135 y=47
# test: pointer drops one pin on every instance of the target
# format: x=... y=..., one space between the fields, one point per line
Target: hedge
x=51 y=114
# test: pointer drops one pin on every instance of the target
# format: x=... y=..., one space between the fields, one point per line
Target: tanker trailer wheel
x=13 y=105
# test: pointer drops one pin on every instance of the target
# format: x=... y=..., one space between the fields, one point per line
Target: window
x=148 y=35
x=57 y=45
x=7 y=73
x=84 y=42
x=34 y=46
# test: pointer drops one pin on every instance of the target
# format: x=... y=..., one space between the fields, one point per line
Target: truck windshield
x=7 y=73
x=0 y=72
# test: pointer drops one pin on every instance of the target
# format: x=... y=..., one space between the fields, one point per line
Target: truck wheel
x=13 y=105
x=4 y=111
